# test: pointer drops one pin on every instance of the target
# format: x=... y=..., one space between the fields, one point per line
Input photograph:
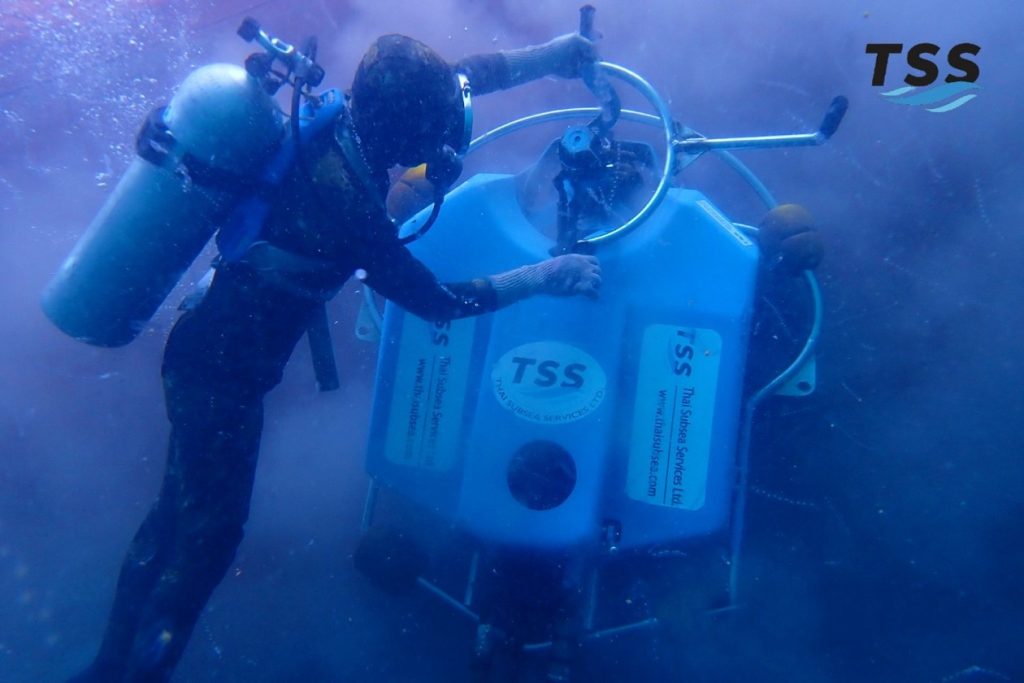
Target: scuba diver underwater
x=297 y=209
x=552 y=438
x=525 y=457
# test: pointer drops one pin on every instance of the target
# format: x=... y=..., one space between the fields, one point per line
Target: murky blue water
x=883 y=534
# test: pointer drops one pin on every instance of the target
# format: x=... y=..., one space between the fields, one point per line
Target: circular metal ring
x=663 y=120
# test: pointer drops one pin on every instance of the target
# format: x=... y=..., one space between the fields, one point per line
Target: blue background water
x=885 y=539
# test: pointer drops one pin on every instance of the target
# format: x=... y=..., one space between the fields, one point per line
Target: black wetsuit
x=221 y=359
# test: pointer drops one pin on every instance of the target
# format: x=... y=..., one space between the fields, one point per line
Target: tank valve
x=260 y=65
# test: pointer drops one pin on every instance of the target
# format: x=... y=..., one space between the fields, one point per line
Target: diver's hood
x=408 y=103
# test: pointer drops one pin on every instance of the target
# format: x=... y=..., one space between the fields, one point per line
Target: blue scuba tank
x=221 y=123
x=554 y=422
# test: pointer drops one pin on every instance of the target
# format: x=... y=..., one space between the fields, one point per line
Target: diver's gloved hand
x=564 y=275
x=563 y=56
x=789 y=240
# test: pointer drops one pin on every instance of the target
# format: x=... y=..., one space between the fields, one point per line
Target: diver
x=327 y=220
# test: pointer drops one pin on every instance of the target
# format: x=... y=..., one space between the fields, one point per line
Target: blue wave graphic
x=953 y=105
x=912 y=96
x=899 y=91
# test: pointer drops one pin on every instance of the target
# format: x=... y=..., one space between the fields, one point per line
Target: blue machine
x=632 y=401
x=636 y=395
x=574 y=428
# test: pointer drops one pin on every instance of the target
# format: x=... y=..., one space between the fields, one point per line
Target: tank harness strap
x=154 y=141
x=291 y=272
x=288 y=271
x=238 y=239
x=156 y=144
x=322 y=350
x=244 y=224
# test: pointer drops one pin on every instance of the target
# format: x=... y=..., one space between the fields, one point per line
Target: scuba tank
x=218 y=129
x=199 y=158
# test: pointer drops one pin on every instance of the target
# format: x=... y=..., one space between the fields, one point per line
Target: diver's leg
x=140 y=570
x=221 y=359
x=216 y=373
x=186 y=543
x=213 y=455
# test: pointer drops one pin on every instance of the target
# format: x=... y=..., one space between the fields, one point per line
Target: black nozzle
x=834 y=116
x=249 y=29
x=309 y=47
x=315 y=75
x=259 y=66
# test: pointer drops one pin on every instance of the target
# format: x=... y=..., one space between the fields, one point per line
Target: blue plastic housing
x=641 y=387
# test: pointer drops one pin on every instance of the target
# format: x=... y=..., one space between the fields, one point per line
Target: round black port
x=541 y=475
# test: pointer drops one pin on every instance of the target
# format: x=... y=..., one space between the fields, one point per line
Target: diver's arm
x=564 y=275
x=394 y=272
x=486 y=73
x=563 y=56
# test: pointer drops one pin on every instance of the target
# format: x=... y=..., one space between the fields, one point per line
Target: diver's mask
x=446 y=166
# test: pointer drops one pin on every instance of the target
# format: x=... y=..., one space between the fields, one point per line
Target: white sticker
x=710 y=210
x=549 y=382
x=675 y=397
x=429 y=393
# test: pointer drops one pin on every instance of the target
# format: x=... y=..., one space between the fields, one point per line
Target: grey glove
x=563 y=56
x=564 y=275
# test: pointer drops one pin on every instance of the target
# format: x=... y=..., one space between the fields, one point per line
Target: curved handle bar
x=664 y=119
x=668 y=128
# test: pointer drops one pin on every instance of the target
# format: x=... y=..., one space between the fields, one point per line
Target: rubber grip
x=834 y=116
